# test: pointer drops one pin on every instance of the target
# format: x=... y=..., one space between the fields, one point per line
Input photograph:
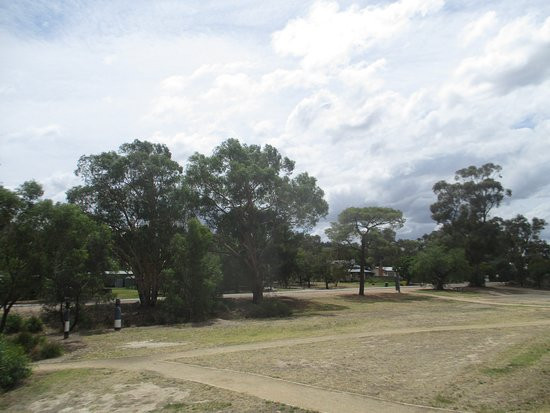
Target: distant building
x=385 y=271
x=355 y=271
x=119 y=279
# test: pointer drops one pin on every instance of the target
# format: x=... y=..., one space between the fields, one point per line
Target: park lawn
x=464 y=293
x=127 y=392
x=482 y=369
x=125 y=293
x=493 y=370
x=313 y=317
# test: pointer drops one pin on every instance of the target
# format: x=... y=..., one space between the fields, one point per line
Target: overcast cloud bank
x=378 y=100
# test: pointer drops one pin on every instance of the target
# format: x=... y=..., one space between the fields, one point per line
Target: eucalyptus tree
x=139 y=193
x=463 y=208
x=19 y=246
x=76 y=252
x=360 y=224
x=522 y=245
x=194 y=273
x=246 y=193
x=438 y=265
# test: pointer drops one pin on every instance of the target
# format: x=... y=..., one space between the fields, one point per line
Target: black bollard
x=118 y=315
x=66 y=320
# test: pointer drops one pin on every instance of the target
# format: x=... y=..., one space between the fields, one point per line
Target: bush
x=270 y=308
x=14 y=365
x=34 y=324
x=27 y=341
x=48 y=350
x=37 y=347
x=14 y=324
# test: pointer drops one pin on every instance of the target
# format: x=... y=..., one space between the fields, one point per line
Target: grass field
x=410 y=348
x=125 y=293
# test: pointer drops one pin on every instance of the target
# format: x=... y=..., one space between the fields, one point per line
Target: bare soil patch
x=414 y=368
x=85 y=390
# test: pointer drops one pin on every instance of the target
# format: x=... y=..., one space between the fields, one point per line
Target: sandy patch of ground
x=150 y=344
x=106 y=390
x=138 y=398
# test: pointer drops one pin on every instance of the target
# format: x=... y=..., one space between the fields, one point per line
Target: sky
x=376 y=99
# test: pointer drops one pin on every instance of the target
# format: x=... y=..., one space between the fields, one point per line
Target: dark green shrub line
x=14 y=364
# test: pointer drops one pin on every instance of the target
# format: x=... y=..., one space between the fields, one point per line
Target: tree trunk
x=257 y=293
x=5 y=313
x=6 y=310
x=362 y=267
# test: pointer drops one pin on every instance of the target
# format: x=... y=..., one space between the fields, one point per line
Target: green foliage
x=34 y=324
x=139 y=193
x=47 y=350
x=14 y=364
x=194 y=274
x=37 y=347
x=246 y=193
x=463 y=208
x=270 y=308
x=20 y=247
x=524 y=253
x=77 y=253
x=438 y=265
x=370 y=226
x=14 y=324
x=27 y=341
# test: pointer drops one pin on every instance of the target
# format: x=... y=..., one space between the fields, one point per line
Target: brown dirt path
x=483 y=301
x=268 y=388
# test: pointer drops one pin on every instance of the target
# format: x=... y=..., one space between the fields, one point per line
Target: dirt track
x=283 y=391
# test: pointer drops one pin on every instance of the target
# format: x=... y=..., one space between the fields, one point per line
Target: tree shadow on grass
x=238 y=308
x=383 y=298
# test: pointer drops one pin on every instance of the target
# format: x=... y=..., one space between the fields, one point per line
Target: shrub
x=14 y=324
x=48 y=350
x=27 y=341
x=270 y=308
x=34 y=324
x=14 y=364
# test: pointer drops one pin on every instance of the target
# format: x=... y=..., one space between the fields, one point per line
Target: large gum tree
x=139 y=193
x=245 y=193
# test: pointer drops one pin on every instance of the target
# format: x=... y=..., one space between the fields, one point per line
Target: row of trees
x=471 y=244
x=239 y=218
x=137 y=209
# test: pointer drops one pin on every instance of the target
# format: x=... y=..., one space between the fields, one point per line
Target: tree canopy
x=358 y=224
x=463 y=209
x=139 y=193
x=245 y=193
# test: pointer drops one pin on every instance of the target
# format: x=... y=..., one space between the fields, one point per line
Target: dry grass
x=485 y=370
x=313 y=317
x=422 y=368
x=127 y=392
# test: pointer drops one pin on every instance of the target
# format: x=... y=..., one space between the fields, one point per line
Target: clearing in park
x=485 y=350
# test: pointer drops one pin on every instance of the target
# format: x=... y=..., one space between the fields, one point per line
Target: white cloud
x=330 y=36
x=478 y=28
x=518 y=56
x=377 y=101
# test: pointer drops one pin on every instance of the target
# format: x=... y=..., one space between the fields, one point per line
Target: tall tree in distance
x=246 y=193
x=20 y=248
x=522 y=243
x=77 y=252
x=463 y=209
x=358 y=224
x=139 y=193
